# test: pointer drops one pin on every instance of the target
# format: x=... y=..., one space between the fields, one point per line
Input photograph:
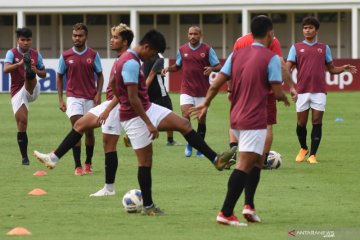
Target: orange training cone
x=40 y=173
x=18 y=231
x=37 y=191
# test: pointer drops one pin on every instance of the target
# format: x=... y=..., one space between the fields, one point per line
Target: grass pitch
x=299 y=197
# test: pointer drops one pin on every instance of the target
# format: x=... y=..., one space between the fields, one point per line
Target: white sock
x=109 y=187
x=53 y=157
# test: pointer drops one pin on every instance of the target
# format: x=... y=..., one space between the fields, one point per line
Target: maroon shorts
x=271 y=110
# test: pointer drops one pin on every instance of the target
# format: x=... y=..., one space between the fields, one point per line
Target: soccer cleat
x=45 y=159
x=199 y=154
x=188 y=150
x=173 y=143
x=103 y=192
x=250 y=214
x=231 y=162
x=223 y=159
x=25 y=162
x=127 y=141
x=29 y=73
x=152 y=211
x=301 y=155
x=312 y=159
x=231 y=221
x=78 y=171
x=88 y=168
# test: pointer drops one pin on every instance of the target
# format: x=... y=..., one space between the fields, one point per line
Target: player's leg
x=186 y=102
x=176 y=123
x=89 y=144
x=76 y=149
x=233 y=142
x=251 y=145
x=318 y=102
x=21 y=117
x=201 y=129
x=302 y=109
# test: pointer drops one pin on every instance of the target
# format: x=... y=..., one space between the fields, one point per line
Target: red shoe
x=250 y=214
x=232 y=220
x=88 y=169
x=79 y=171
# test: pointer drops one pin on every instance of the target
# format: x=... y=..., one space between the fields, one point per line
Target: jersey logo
x=302 y=50
x=186 y=55
x=71 y=61
x=88 y=60
x=17 y=60
x=319 y=50
x=202 y=55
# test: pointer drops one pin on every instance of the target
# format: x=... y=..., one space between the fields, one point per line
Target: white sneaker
x=45 y=159
x=103 y=192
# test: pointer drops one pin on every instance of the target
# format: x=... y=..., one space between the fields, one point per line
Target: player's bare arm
x=345 y=68
x=200 y=110
x=150 y=78
x=40 y=72
x=172 y=68
x=8 y=67
x=279 y=94
x=286 y=75
x=100 y=82
x=209 y=69
x=138 y=108
x=60 y=89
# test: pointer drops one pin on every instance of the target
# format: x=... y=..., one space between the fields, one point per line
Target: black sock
x=301 y=133
x=22 y=140
x=316 y=134
x=233 y=144
x=201 y=130
x=196 y=141
x=144 y=178
x=251 y=185
x=77 y=156
x=111 y=165
x=69 y=141
x=236 y=184
x=266 y=157
x=89 y=153
x=170 y=139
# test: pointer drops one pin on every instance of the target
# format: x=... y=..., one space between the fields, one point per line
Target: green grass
x=296 y=196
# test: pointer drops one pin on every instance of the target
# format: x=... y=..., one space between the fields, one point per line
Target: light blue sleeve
x=178 y=58
x=292 y=54
x=213 y=59
x=130 y=72
x=226 y=69
x=97 y=64
x=274 y=69
x=9 y=58
x=40 y=64
x=328 y=57
x=61 y=66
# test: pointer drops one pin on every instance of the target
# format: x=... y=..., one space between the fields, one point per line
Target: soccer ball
x=132 y=201
x=273 y=160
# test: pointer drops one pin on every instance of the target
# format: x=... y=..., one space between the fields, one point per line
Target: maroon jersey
x=310 y=63
x=80 y=78
x=18 y=76
x=121 y=83
x=194 y=82
x=250 y=86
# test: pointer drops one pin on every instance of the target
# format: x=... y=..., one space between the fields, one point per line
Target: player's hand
x=350 y=68
x=102 y=117
x=286 y=101
x=293 y=94
x=207 y=70
x=97 y=99
x=62 y=106
x=229 y=96
x=198 y=111
x=164 y=71
x=154 y=133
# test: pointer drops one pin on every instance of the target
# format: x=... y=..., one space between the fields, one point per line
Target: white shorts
x=315 y=101
x=78 y=106
x=24 y=97
x=186 y=99
x=251 y=140
x=136 y=128
x=112 y=124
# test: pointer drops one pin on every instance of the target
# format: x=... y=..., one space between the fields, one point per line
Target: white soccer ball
x=132 y=201
x=274 y=160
